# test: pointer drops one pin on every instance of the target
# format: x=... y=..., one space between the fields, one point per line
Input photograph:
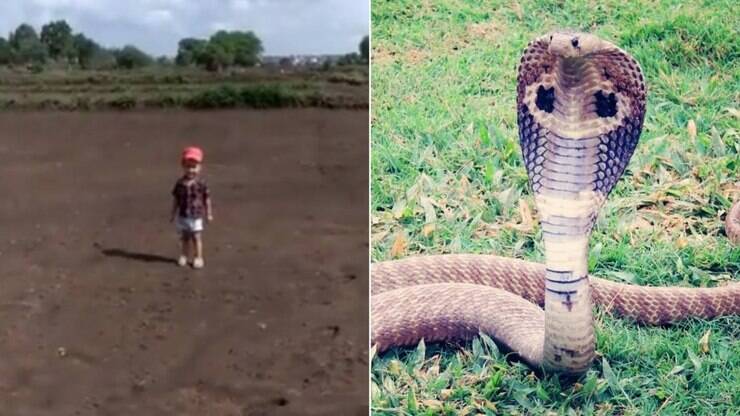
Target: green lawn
x=447 y=177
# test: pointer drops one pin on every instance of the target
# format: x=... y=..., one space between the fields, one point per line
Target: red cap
x=192 y=153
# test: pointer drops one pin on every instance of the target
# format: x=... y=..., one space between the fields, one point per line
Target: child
x=192 y=202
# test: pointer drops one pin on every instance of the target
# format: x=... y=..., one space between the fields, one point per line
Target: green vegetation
x=58 y=46
x=355 y=58
x=176 y=87
x=365 y=48
x=57 y=36
x=447 y=177
x=26 y=47
x=63 y=70
x=224 y=49
x=259 y=96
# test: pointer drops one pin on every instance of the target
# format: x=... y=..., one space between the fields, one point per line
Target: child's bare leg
x=184 y=249
x=198 y=260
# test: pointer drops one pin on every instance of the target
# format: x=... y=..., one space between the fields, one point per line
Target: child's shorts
x=188 y=225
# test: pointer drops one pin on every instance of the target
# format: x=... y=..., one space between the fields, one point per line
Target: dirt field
x=95 y=317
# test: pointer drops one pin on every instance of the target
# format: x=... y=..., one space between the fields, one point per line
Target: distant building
x=299 y=61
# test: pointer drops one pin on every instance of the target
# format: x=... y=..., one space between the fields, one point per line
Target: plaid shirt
x=191 y=198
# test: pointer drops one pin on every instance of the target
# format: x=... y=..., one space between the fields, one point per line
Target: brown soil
x=95 y=317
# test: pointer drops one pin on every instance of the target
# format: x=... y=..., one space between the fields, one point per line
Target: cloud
x=158 y=17
x=241 y=5
x=285 y=26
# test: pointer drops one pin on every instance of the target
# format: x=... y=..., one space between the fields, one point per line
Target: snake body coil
x=580 y=107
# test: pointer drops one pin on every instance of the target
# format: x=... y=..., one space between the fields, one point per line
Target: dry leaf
x=433 y=371
x=526 y=214
x=398 y=207
x=399 y=245
x=506 y=197
x=428 y=229
x=432 y=404
x=640 y=223
x=691 y=127
x=467 y=410
x=682 y=242
x=704 y=342
x=378 y=236
x=430 y=215
x=463 y=185
x=518 y=10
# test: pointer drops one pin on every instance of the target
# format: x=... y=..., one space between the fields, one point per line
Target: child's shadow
x=148 y=258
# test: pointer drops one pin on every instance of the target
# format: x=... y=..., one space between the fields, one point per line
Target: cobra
x=580 y=107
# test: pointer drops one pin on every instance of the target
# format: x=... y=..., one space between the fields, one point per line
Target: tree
x=101 y=58
x=189 y=50
x=215 y=57
x=6 y=53
x=26 y=45
x=24 y=33
x=164 y=60
x=85 y=50
x=130 y=57
x=244 y=47
x=365 y=48
x=349 y=59
x=222 y=49
x=57 y=36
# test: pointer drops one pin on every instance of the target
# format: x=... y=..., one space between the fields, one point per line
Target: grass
x=158 y=87
x=447 y=177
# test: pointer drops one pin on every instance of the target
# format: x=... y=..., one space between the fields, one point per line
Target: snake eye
x=574 y=42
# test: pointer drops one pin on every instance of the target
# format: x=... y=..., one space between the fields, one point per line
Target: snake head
x=576 y=44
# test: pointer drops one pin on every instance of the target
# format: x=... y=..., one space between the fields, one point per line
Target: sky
x=285 y=26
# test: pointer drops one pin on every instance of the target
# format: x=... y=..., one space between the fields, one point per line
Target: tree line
x=57 y=43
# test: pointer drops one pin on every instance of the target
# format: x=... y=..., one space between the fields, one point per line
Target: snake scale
x=580 y=107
